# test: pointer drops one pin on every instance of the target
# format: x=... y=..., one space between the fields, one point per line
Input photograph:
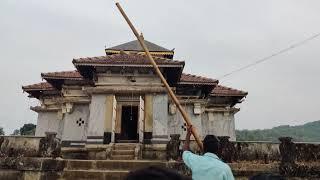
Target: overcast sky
x=212 y=37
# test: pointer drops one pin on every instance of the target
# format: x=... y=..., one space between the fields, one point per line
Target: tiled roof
x=193 y=79
x=73 y=75
x=226 y=91
x=38 y=87
x=135 y=46
x=126 y=60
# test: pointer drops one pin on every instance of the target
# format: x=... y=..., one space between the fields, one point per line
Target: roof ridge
x=40 y=85
x=73 y=74
x=134 y=45
x=222 y=87
x=199 y=76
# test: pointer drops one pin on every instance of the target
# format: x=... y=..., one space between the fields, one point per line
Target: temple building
x=118 y=98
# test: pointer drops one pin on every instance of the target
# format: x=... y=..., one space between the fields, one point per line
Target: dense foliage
x=26 y=129
x=309 y=132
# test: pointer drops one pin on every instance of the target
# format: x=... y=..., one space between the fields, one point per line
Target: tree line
x=26 y=130
x=308 y=132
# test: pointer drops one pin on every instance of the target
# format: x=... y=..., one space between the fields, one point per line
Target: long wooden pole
x=156 y=68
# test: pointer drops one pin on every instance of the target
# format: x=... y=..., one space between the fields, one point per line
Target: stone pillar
x=109 y=119
x=288 y=156
x=95 y=128
x=160 y=119
x=148 y=118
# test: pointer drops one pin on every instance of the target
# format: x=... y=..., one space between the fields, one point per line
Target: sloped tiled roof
x=135 y=46
x=38 y=87
x=226 y=91
x=126 y=60
x=193 y=79
x=73 y=75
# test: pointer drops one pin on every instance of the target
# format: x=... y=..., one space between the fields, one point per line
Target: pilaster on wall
x=160 y=118
x=109 y=120
x=148 y=117
x=95 y=130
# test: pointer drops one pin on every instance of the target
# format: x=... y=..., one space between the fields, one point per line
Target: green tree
x=1 y=131
x=28 y=129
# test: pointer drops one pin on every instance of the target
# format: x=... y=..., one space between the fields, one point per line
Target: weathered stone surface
x=307 y=152
x=14 y=146
x=10 y=174
x=52 y=165
x=294 y=160
x=290 y=154
x=154 y=151
x=50 y=146
x=28 y=163
x=173 y=147
x=30 y=146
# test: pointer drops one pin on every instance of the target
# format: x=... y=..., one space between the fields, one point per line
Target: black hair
x=211 y=144
x=267 y=176
x=155 y=173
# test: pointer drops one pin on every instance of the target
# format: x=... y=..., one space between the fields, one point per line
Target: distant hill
x=309 y=132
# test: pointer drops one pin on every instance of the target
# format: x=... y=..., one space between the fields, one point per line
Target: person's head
x=211 y=144
x=155 y=173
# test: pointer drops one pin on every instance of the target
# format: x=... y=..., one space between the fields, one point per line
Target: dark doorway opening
x=129 y=123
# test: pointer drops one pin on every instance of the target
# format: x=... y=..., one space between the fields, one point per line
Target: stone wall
x=15 y=145
x=75 y=124
x=176 y=123
x=217 y=123
x=48 y=121
x=96 y=120
x=30 y=146
x=220 y=124
x=160 y=118
x=21 y=154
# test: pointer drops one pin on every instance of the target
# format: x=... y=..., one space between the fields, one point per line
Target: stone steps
x=110 y=165
x=122 y=157
x=94 y=174
x=122 y=152
x=124 y=146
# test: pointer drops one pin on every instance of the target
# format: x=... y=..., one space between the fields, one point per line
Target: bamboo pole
x=156 y=68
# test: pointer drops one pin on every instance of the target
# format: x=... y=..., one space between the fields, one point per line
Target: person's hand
x=189 y=130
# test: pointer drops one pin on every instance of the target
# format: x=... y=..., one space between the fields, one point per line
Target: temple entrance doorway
x=129 y=124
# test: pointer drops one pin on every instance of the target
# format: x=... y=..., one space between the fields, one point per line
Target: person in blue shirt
x=208 y=166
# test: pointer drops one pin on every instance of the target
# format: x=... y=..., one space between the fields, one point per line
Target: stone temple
x=118 y=98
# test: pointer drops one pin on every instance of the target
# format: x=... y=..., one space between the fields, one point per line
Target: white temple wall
x=176 y=122
x=75 y=123
x=160 y=117
x=220 y=124
x=48 y=122
x=96 y=119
